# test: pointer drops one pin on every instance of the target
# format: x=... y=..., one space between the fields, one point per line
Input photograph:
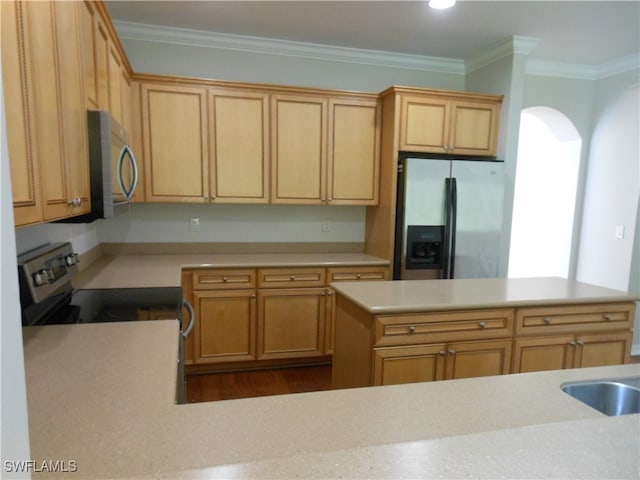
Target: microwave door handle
x=192 y=318
x=128 y=192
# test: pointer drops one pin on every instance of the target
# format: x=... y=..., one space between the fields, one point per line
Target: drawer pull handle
x=547 y=320
x=292 y=277
x=358 y=276
x=482 y=324
x=607 y=317
x=412 y=329
x=225 y=279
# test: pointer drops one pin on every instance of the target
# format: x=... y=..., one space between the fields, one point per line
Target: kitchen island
x=102 y=396
x=410 y=331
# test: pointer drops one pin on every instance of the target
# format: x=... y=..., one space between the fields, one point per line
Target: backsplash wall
x=170 y=223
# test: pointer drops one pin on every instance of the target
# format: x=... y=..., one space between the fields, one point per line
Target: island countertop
x=408 y=296
x=102 y=396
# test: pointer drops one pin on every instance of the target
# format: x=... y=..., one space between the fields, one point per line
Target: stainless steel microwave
x=112 y=167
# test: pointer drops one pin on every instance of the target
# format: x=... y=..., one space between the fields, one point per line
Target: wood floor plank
x=232 y=385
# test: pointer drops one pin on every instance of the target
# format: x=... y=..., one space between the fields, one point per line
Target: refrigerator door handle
x=453 y=226
x=446 y=270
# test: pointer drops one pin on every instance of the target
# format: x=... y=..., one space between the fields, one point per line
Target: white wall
x=612 y=191
x=14 y=440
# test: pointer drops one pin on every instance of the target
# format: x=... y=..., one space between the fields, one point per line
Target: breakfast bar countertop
x=102 y=395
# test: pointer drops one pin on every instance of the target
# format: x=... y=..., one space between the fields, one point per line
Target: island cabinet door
x=478 y=359
x=226 y=328
x=602 y=350
x=423 y=363
x=545 y=353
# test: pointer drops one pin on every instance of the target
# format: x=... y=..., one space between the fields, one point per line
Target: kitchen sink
x=611 y=397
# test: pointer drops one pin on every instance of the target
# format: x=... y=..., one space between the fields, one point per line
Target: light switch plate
x=620 y=231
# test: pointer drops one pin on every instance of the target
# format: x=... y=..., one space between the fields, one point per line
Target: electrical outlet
x=620 y=231
x=326 y=226
x=194 y=224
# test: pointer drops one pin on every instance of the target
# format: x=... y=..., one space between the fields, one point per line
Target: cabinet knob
x=452 y=352
x=225 y=279
x=607 y=317
x=253 y=296
x=547 y=320
x=572 y=343
x=482 y=324
x=412 y=329
x=442 y=353
x=292 y=277
x=580 y=343
x=358 y=276
x=330 y=199
x=329 y=292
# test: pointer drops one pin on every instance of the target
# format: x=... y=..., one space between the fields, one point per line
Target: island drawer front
x=574 y=318
x=351 y=274
x=220 y=279
x=414 y=329
x=291 y=277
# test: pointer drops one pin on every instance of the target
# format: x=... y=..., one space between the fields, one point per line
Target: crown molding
x=183 y=36
x=514 y=45
x=583 y=72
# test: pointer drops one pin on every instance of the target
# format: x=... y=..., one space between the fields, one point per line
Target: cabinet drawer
x=224 y=279
x=443 y=327
x=574 y=319
x=349 y=274
x=291 y=277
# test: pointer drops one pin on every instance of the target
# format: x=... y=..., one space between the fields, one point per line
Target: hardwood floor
x=226 y=386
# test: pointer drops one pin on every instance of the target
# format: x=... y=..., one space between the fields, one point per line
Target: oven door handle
x=192 y=318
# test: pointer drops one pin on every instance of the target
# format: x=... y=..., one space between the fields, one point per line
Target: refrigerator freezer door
x=424 y=194
x=480 y=188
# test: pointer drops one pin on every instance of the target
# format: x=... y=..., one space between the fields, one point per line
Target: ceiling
x=575 y=32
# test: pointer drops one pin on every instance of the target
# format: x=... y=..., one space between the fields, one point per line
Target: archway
x=545 y=194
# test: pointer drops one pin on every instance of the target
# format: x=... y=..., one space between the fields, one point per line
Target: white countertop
x=136 y=271
x=408 y=296
x=103 y=395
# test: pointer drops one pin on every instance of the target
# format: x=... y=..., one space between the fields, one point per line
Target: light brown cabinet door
x=478 y=359
x=87 y=22
x=424 y=124
x=545 y=353
x=102 y=54
x=226 y=328
x=421 y=363
x=602 y=350
x=291 y=323
x=73 y=107
x=174 y=124
x=115 y=74
x=298 y=146
x=474 y=128
x=25 y=182
x=353 y=152
x=239 y=146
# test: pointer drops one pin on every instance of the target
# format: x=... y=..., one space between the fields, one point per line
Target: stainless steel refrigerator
x=448 y=218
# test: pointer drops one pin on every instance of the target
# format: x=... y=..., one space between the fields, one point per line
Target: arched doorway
x=545 y=194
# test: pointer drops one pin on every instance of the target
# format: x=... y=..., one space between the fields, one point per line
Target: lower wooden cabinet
x=227 y=325
x=425 y=363
x=570 y=351
x=291 y=323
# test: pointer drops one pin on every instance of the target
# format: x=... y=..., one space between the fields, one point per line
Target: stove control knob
x=71 y=259
x=41 y=278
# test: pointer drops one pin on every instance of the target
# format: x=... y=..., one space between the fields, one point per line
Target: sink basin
x=611 y=397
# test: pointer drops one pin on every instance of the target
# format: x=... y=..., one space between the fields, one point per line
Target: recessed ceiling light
x=441 y=4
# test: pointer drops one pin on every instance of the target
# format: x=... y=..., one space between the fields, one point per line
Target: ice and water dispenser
x=425 y=244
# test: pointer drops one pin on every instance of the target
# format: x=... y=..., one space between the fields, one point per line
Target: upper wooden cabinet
x=299 y=149
x=324 y=150
x=353 y=152
x=449 y=125
x=47 y=136
x=174 y=128
x=239 y=123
